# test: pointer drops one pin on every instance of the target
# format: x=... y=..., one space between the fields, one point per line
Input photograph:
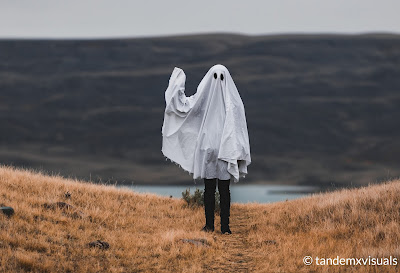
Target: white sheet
x=206 y=134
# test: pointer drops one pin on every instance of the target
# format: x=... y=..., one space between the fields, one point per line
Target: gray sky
x=129 y=18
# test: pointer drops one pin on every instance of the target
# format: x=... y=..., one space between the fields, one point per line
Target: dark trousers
x=209 y=201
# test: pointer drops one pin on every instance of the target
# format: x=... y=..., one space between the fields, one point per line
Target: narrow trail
x=236 y=248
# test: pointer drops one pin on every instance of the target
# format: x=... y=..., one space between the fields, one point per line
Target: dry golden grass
x=144 y=230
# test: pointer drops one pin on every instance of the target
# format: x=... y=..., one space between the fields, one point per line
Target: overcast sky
x=129 y=18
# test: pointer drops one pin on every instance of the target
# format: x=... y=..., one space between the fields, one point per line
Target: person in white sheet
x=206 y=134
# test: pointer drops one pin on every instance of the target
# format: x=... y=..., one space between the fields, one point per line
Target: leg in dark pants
x=209 y=203
x=225 y=196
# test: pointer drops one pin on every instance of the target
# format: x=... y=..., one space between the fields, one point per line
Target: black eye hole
x=215 y=75
x=222 y=77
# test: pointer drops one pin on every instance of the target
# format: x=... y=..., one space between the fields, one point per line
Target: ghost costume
x=206 y=134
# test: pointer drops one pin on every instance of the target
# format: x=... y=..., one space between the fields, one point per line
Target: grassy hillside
x=320 y=108
x=144 y=231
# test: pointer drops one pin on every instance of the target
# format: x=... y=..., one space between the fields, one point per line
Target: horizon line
x=180 y=35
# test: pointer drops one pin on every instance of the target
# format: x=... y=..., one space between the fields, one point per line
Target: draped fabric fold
x=206 y=134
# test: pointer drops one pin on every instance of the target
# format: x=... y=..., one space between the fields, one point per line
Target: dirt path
x=237 y=251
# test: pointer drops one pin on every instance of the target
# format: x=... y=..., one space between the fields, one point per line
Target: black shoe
x=226 y=231
x=207 y=229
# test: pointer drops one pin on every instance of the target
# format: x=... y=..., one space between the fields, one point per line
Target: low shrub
x=196 y=199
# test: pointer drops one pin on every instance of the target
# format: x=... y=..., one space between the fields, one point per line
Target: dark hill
x=321 y=109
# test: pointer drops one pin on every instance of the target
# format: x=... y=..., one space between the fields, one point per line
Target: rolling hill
x=321 y=109
x=56 y=219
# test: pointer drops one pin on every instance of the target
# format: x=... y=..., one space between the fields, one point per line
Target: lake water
x=239 y=193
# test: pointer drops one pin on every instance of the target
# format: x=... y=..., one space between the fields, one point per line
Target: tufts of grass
x=146 y=231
